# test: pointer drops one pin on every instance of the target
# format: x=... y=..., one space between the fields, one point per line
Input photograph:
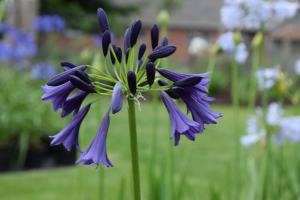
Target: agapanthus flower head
x=130 y=80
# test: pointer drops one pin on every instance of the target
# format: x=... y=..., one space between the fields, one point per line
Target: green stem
x=253 y=81
x=264 y=65
x=235 y=105
x=2 y=9
x=134 y=150
x=23 y=149
x=211 y=66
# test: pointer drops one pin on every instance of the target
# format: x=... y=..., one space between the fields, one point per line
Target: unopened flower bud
x=237 y=37
x=142 y=51
x=163 y=18
x=164 y=41
x=150 y=71
x=135 y=32
x=112 y=57
x=127 y=40
x=162 y=52
x=131 y=78
x=117 y=98
x=105 y=42
x=154 y=36
x=257 y=40
x=83 y=76
x=188 y=82
x=103 y=22
x=81 y=85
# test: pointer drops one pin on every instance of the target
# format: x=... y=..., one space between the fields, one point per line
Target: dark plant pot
x=35 y=158
x=65 y=157
x=6 y=156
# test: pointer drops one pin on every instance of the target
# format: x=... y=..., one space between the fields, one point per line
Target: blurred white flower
x=197 y=46
x=248 y=140
x=284 y=9
x=252 y=125
x=297 y=67
x=274 y=114
x=266 y=78
x=241 y=53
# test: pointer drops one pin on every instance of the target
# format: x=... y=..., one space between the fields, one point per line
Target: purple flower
x=81 y=85
x=136 y=28
x=164 y=41
x=180 y=123
x=103 y=21
x=127 y=40
x=64 y=76
x=154 y=36
x=188 y=82
x=162 y=52
x=173 y=76
x=43 y=71
x=142 y=51
x=69 y=135
x=117 y=98
x=96 y=151
x=73 y=103
x=198 y=106
x=106 y=40
x=57 y=94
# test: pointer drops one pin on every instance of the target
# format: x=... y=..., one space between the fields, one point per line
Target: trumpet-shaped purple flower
x=117 y=98
x=96 y=151
x=57 y=94
x=73 y=103
x=180 y=123
x=69 y=135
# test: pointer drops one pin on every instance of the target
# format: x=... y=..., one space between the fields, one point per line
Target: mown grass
x=207 y=165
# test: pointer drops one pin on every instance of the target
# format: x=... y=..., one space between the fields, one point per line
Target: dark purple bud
x=66 y=68
x=118 y=52
x=63 y=77
x=67 y=64
x=157 y=48
x=171 y=94
x=117 y=98
x=113 y=60
x=154 y=36
x=188 y=82
x=176 y=90
x=81 y=85
x=131 y=78
x=105 y=42
x=150 y=71
x=83 y=76
x=135 y=32
x=162 y=83
x=162 y=52
x=133 y=23
x=127 y=40
x=103 y=22
x=164 y=41
x=127 y=55
x=142 y=51
x=140 y=64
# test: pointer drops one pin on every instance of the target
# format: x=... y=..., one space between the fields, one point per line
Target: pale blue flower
x=241 y=53
x=43 y=71
x=274 y=114
x=226 y=42
x=232 y=16
x=252 y=125
x=267 y=78
x=284 y=9
x=297 y=67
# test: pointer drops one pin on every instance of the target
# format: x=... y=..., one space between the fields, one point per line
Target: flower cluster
x=49 y=23
x=235 y=49
x=267 y=78
x=251 y=14
x=284 y=128
x=21 y=46
x=129 y=81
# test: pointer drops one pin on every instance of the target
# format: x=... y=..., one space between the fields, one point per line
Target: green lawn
x=210 y=153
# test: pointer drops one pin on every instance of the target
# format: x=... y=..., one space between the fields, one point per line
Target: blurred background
x=36 y=35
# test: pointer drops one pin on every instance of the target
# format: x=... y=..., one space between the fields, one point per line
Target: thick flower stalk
x=128 y=79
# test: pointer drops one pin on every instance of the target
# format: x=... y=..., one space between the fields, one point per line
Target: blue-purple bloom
x=42 y=70
x=69 y=135
x=117 y=98
x=96 y=151
x=73 y=103
x=49 y=23
x=57 y=94
x=180 y=123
